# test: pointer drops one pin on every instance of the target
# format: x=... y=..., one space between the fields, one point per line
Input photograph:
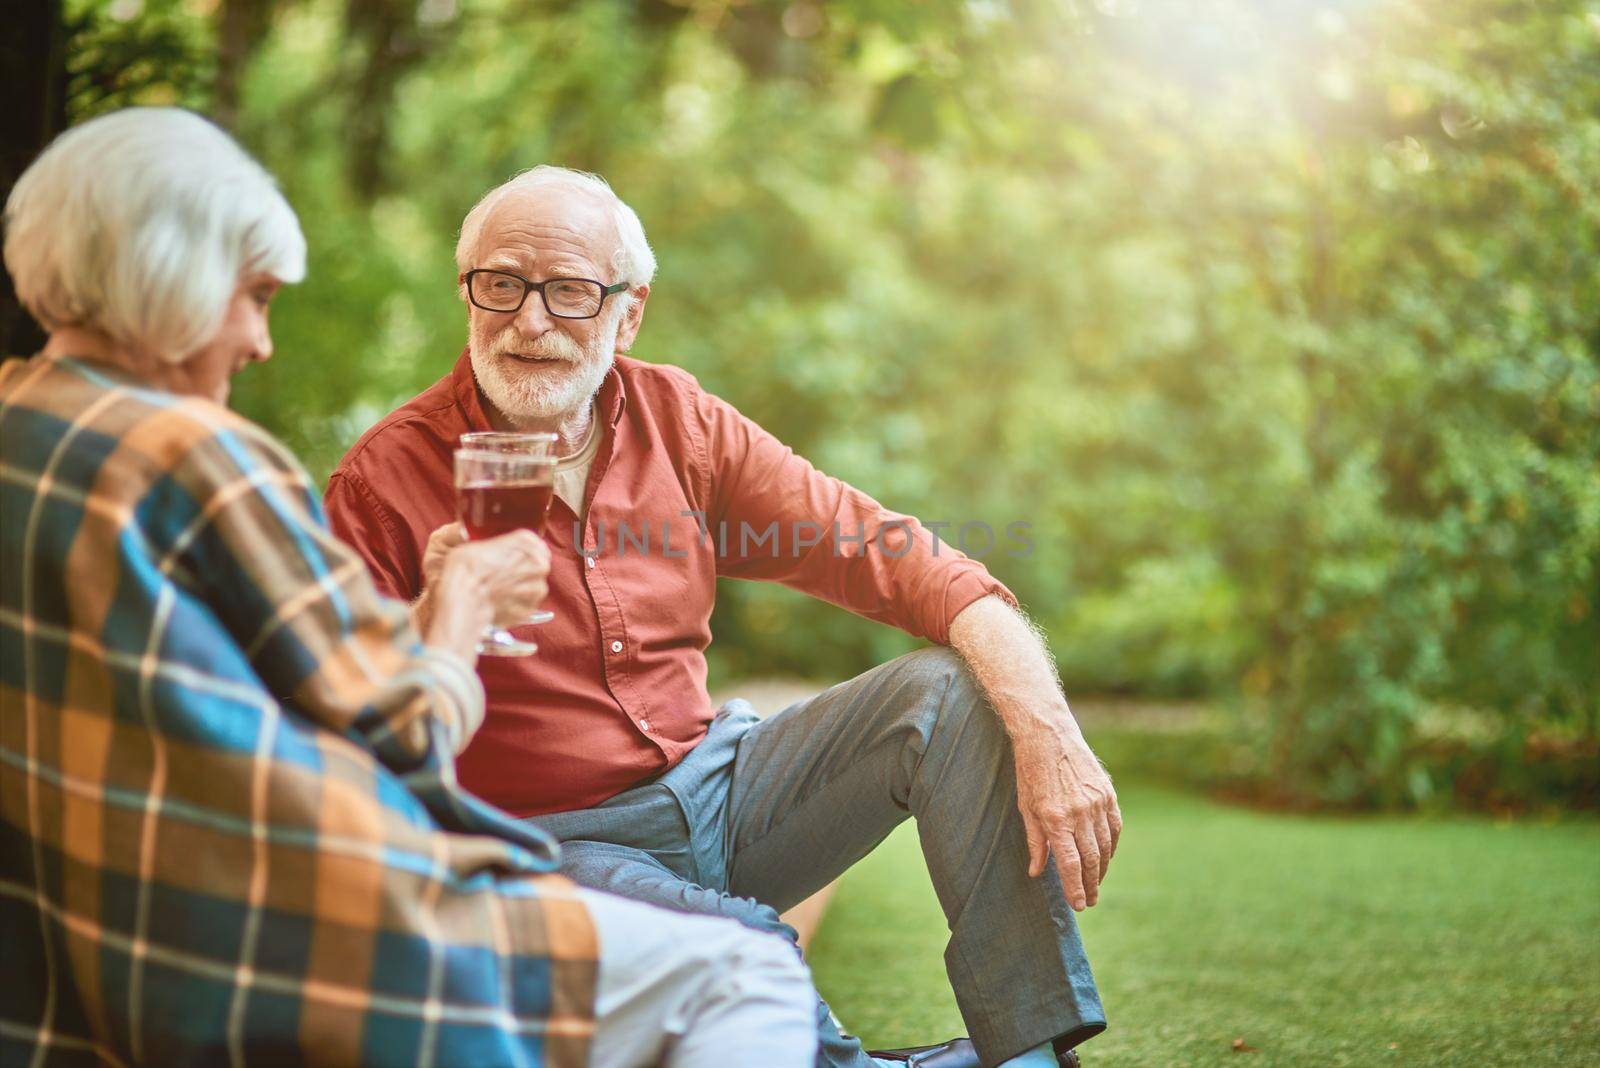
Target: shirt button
x=589 y=560
x=644 y=724
x=616 y=647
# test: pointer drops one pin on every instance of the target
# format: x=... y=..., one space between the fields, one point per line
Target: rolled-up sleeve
x=777 y=517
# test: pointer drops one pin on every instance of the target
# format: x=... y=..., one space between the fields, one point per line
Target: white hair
x=140 y=225
x=632 y=261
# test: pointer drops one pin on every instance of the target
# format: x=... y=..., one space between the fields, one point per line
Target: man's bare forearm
x=1069 y=808
x=1013 y=667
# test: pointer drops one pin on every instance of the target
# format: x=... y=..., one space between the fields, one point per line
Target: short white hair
x=632 y=261
x=140 y=225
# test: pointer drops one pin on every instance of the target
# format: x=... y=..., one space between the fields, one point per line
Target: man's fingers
x=1070 y=865
x=1106 y=840
x=1114 y=822
x=1038 y=847
x=1093 y=870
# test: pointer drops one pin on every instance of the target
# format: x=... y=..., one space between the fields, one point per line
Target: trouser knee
x=952 y=702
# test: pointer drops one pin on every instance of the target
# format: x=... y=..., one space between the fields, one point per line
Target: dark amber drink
x=489 y=509
x=504 y=483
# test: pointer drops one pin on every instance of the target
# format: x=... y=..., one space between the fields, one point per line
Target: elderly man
x=607 y=738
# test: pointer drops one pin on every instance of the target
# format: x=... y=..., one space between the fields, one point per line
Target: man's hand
x=1069 y=810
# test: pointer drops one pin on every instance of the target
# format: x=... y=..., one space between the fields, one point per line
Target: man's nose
x=533 y=318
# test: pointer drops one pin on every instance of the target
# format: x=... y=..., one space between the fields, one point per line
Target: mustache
x=552 y=344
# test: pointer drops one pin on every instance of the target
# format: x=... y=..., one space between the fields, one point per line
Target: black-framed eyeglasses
x=564 y=298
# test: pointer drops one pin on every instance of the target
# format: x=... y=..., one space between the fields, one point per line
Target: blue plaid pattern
x=230 y=830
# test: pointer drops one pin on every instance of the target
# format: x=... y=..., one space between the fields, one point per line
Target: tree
x=33 y=82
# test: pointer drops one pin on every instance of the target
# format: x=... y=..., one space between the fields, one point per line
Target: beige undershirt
x=572 y=472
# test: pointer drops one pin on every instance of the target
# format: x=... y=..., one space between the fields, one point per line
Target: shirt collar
x=610 y=403
x=613 y=396
x=465 y=387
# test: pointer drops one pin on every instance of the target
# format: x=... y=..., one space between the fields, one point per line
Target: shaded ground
x=1317 y=941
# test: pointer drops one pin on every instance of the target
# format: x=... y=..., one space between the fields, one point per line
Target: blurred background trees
x=1278 y=320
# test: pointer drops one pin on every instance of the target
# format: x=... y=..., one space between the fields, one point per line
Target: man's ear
x=628 y=329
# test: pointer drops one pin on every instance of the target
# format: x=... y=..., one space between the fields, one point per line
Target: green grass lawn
x=1319 y=941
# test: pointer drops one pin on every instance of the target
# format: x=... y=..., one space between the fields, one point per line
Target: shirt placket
x=616 y=651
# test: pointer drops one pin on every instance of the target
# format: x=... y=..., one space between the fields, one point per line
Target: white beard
x=549 y=391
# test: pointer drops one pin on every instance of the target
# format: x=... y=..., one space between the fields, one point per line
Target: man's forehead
x=547 y=223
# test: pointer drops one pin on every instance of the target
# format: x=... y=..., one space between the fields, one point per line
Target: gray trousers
x=762 y=813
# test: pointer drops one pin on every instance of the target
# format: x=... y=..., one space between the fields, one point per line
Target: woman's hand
x=469 y=585
x=440 y=542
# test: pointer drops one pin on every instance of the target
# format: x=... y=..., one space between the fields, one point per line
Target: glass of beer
x=505 y=484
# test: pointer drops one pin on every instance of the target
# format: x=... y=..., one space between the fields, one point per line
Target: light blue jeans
x=762 y=813
x=683 y=991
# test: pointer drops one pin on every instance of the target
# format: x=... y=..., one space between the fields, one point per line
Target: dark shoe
x=956 y=1053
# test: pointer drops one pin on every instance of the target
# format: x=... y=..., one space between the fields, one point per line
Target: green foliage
x=154 y=53
x=1276 y=321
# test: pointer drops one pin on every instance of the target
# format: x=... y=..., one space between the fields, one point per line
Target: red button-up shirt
x=617 y=692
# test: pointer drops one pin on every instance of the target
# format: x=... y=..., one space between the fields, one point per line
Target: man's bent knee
x=945 y=678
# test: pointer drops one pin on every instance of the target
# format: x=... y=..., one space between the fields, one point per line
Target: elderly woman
x=229 y=822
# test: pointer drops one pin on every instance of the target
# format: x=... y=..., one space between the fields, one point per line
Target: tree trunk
x=33 y=76
x=240 y=26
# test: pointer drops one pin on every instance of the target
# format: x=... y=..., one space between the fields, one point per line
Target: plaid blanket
x=230 y=830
